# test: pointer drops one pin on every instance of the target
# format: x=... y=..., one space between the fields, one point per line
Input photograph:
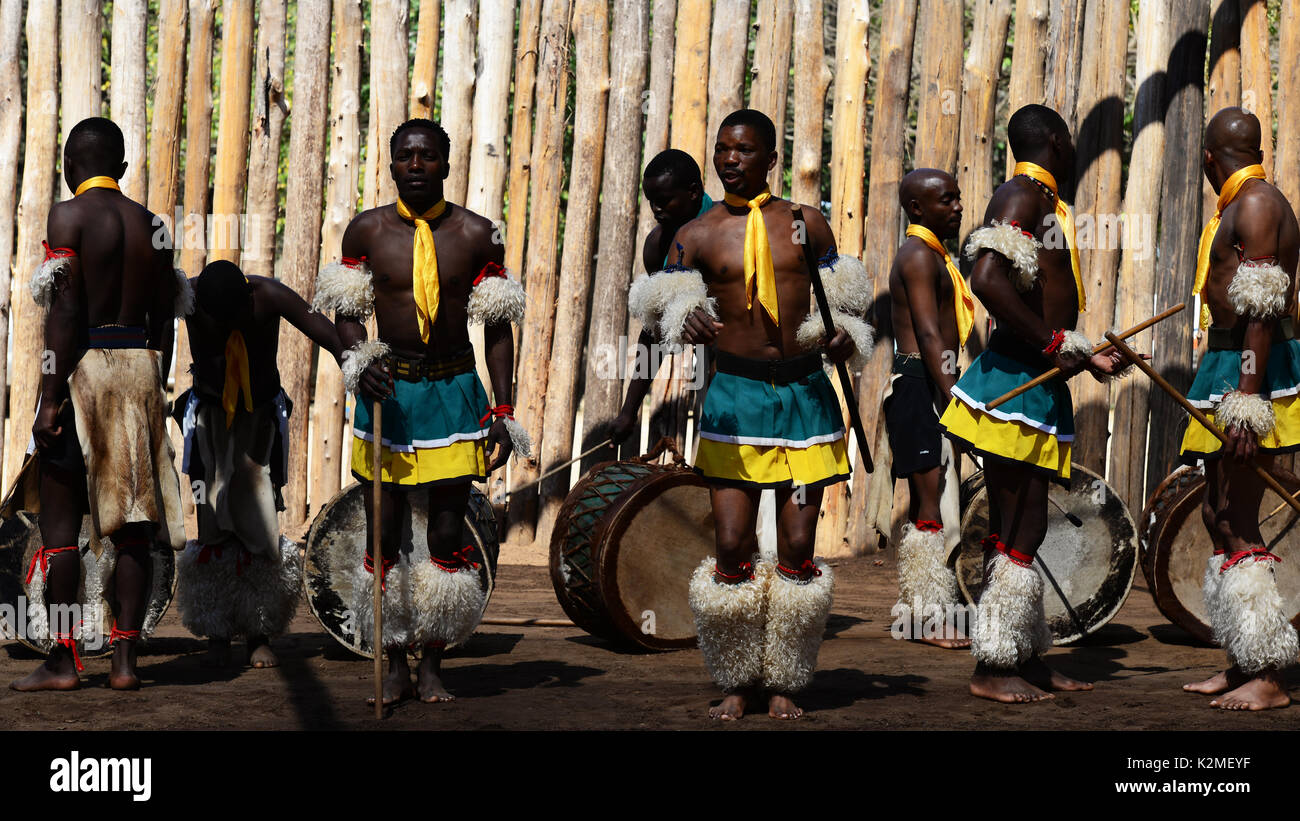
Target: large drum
x=20 y=538
x=625 y=544
x=337 y=541
x=1176 y=547
x=1087 y=567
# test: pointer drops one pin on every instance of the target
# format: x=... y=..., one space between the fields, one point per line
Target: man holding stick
x=424 y=267
x=1246 y=384
x=770 y=419
x=1026 y=273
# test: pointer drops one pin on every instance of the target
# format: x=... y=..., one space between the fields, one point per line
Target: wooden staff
x=1128 y=353
x=1055 y=372
x=377 y=561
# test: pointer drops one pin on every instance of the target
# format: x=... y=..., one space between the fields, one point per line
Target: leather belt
x=773 y=371
x=416 y=370
x=1234 y=339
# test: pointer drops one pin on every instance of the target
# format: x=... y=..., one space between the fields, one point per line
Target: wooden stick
x=512 y=621
x=1128 y=353
x=377 y=559
x=561 y=467
x=1055 y=372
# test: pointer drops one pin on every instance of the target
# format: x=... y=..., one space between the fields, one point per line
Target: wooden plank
x=521 y=132
x=1028 y=58
x=264 y=143
x=812 y=77
x=771 y=75
x=168 y=101
x=80 y=80
x=388 y=95
x=458 y=78
x=1257 y=72
x=1064 y=53
x=11 y=129
x=690 y=82
x=1224 y=71
x=938 y=115
x=230 y=176
x=657 y=116
x=487 y=158
x=424 y=70
x=1287 y=164
x=849 y=124
x=978 y=110
x=726 y=74
x=127 y=91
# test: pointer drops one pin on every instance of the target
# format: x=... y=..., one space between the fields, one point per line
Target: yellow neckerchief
x=1063 y=215
x=962 y=300
x=1228 y=193
x=424 y=265
x=758 y=254
x=96 y=182
x=237 y=377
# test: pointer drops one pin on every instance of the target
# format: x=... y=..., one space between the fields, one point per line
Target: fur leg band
x=399 y=604
x=448 y=605
x=1249 y=620
x=729 y=621
x=924 y=581
x=796 y=621
x=1007 y=625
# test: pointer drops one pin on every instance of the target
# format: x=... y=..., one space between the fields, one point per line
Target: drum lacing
x=42 y=557
x=804 y=573
x=1257 y=552
x=928 y=525
x=67 y=640
x=368 y=564
x=115 y=634
x=460 y=559
x=746 y=573
x=243 y=558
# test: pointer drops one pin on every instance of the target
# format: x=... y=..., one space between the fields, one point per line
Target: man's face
x=940 y=204
x=671 y=204
x=741 y=160
x=418 y=166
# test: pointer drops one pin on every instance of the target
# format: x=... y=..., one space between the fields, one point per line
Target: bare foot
x=732 y=707
x=397 y=683
x=260 y=655
x=1263 y=692
x=1005 y=687
x=218 y=654
x=1037 y=673
x=57 y=673
x=782 y=707
x=959 y=642
x=122 y=675
x=1229 y=679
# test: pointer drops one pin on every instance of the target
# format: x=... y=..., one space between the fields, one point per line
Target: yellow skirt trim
x=459 y=460
x=1009 y=440
x=1285 y=434
x=772 y=465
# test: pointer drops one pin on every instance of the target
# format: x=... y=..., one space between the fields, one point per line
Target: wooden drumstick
x=1200 y=417
x=377 y=561
x=1055 y=372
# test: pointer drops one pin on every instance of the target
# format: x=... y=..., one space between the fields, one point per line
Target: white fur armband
x=1019 y=247
x=811 y=330
x=497 y=299
x=42 y=284
x=357 y=358
x=184 y=304
x=846 y=284
x=346 y=289
x=1259 y=290
x=663 y=301
x=1245 y=410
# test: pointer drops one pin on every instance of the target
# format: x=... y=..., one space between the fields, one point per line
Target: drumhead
x=337 y=541
x=1093 y=564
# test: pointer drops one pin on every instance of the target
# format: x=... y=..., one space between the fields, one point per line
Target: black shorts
x=913 y=425
x=65 y=453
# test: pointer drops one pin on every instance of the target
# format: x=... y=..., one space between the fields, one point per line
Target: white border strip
x=759 y=441
x=1010 y=417
x=422 y=444
x=1215 y=398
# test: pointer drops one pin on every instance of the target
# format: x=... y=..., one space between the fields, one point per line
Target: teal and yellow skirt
x=1036 y=428
x=777 y=432
x=1219 y=373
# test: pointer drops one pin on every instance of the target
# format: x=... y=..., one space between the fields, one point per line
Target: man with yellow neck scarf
x=738 y=280
x=933 y=312
x=425 y=268
x=1029 y=281
x=100 y=431
x=240 y=577
x=1247 y=383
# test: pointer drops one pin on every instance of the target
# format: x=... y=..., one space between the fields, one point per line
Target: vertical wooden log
x=329 y=439
x=40 y=141
x=1064 y=53
x=487 y=157
x=1137 y=273
x=1028 y=58
x=80 y=81
x=541 y=277
x=771 y=71
x=849 y=124
x=726 y=73
x=230 y=177
x=424 y=71
x=655 y=108
x=11 y=129
x=812 y=77
x=1097 y=203
x=127 y=90
x=1180 y=225
x=165 y=130
x=458 y=76
x=938 y=116
x=1224 y=71
x=978 y=110
x=591 y=41
x=617 y=252
x=1287 y=165
x=388 y=95
x=690 y=82
x=264 y=145
x=302 y=225
x=521 y=132
x=1257 y=72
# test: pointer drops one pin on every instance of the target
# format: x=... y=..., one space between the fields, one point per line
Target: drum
x=1175 y=548
x=20 y=538
x=337 y=541
x=1087 y=568
x=625 y=544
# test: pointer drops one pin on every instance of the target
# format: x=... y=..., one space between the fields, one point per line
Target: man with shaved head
x=933 y=311
x=1027 y=274
x=1247 y=384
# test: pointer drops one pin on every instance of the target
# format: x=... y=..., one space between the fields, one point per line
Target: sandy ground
x=560 y=678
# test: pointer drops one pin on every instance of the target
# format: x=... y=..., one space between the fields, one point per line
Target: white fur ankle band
x=1259 y=289
x=1245 y=410
x=357 y=358
x=1019 y=247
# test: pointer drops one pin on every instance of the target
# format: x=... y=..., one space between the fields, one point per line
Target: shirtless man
x=424 y=266
x=770 y=419
x=240 y=576
x=673 y=187
x=1026 y=274
x=1246 y=383
x=100 y=430
x=933 y=312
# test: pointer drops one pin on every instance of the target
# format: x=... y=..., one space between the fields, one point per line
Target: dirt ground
x=534 y=678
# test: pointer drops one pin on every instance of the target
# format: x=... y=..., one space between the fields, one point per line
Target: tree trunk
x=812 y=77
x=1288 y=105
x=165 y=133
x=264 y=146
x=1225 y=74
x=521 y=132
x=127 y=90
x=11 y=129
x=458 y=75
x=726 y=73
x=938 y=116
x=1257 y=73
x=388 y=95
x=230 y=177
x=771 y=70
x=1064 y=53
x=657 y=114
x=690 y=82
x=1028 y=58
x=424 y=71
x=80 y=24
x=849 y=124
